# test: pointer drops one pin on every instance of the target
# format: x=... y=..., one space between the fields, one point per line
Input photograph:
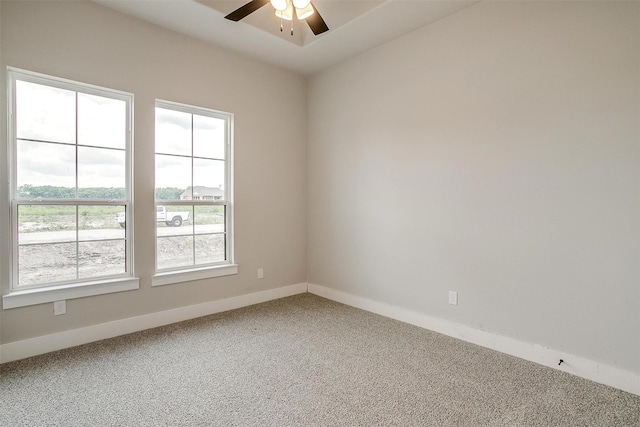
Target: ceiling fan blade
x=245 y=10
x=316 y=23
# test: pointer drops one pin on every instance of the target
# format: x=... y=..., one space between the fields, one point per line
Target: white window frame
x=25 y=295
x=222 y=268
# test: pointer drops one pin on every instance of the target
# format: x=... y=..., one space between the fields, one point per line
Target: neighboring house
x=202 y=193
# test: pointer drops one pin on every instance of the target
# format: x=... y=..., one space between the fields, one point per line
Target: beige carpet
x=298 y=361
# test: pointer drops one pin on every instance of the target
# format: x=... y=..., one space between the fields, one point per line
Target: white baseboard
x=576 y=365
x=45 y=344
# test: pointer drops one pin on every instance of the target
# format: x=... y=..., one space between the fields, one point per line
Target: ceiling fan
x=285 y=9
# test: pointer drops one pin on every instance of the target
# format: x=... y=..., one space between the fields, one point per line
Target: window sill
x=26 y=297
x=171 y=277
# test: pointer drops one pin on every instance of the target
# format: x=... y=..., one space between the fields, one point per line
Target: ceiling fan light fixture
x=284 y=10
x=279 y=4
x=301 y=4
x=304 y=13
x=287 y=13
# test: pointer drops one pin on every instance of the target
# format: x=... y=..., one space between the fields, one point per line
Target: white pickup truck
x=172 y=219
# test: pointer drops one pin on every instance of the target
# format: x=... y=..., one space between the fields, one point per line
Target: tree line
x=28 y=191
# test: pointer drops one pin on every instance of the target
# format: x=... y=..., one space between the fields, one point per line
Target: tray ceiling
x=355 y=26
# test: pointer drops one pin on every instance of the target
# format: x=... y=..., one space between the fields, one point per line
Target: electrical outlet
x=453 y=298
x=59 y=307
x=260 y=273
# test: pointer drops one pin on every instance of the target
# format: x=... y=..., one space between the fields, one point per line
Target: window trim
x=33 y=296
x=209 y=272
x=227 y=267
x=19 y=296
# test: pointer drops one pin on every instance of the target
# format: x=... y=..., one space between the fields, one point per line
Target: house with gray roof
x=202 y=193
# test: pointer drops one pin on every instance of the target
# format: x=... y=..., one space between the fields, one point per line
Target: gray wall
x=495 y=153
x=92 y=44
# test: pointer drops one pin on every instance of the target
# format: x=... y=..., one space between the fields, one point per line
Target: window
x=70 y=178
x=193 y=190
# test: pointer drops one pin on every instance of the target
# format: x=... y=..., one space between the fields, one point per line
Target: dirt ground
x=58 y=262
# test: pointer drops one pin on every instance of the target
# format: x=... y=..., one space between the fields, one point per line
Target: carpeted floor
x=298 y=361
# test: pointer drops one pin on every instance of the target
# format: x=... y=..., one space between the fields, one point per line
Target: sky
x=46 y=148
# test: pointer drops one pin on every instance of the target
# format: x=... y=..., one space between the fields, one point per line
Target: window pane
x=50 y=165
x=100 y=168
x=102 y=121
x=46 y=234
x=46 y=224
x=174 y=252
x=209 y=173
x=100 y=222
x=45 y=113
x=209 y=219
x=210 y=248
x=101 y=258
x=173 y=172
x=173 y=132
x=208 y=137
x=46 y=263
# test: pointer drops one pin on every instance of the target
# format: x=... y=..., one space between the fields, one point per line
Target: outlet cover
x=59 y=307
x=260 y=273
x=453 y=298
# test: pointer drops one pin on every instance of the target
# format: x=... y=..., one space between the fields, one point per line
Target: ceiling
x=355 y=26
